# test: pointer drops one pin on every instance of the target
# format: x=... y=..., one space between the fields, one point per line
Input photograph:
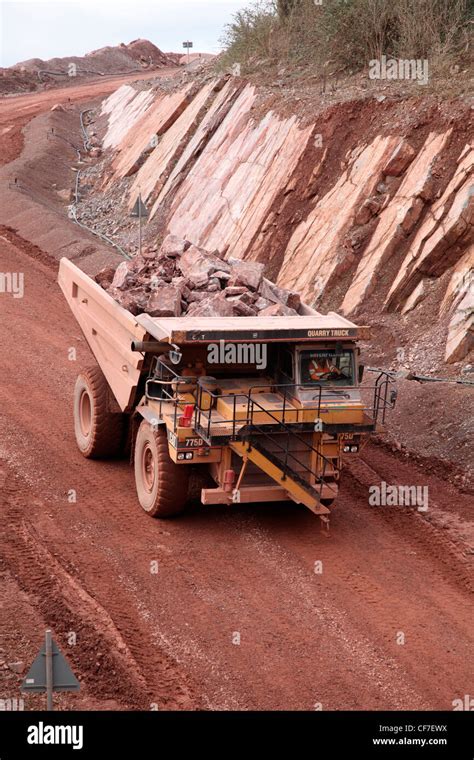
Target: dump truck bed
x=110 y=330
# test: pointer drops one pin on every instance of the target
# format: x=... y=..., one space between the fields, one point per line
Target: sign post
x=187 y=44
x=48 y=645
x=139 y=210
x=50 y=672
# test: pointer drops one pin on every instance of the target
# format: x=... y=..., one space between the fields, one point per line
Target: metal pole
x=49 y=670
x=139 y=223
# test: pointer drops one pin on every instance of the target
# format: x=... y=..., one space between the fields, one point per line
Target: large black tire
x=162 y=485
x=99 y=432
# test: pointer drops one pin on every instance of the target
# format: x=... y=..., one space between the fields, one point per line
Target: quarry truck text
x=264 y=408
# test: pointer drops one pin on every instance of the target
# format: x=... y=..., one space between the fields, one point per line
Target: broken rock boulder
x=164 y=267
x=277 y=310
x=181 y=278
x=139 y=264
x=173 y=246
x=197 y=266
x=277 y=295
x=105 y=276
x=124 y=277
x=262 y=303
x=213 y=306
x=135 y=300
x=241 y=308
x=248 y=274
x=400 y=159
x=370 y=207
x=165 y=301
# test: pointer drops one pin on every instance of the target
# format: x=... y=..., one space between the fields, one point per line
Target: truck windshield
x=327 y=367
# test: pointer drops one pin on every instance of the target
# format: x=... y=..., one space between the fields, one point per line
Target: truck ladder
x=298 y=488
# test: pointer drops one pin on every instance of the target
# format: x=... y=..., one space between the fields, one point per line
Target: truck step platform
x=293 y=482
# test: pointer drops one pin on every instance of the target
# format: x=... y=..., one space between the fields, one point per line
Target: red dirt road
x=166 y=638
x=18 y=110
x=79 y=555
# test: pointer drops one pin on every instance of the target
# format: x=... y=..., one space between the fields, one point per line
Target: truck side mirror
x=361 y=372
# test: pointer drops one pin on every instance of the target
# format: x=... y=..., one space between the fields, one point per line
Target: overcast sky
x=38 y=29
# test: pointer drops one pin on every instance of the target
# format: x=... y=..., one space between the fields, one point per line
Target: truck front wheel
x=99 y=432
x=162 y=485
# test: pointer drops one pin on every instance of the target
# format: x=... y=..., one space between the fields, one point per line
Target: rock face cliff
x=367 y=208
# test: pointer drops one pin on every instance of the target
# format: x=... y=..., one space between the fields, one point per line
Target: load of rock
x=181 y=279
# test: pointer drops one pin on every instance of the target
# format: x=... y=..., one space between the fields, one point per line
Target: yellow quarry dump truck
x=267 y=406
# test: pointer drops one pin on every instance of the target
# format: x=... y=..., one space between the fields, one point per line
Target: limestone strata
x=434 y=248
x=124 y=107
x=459 y=299
x=153 y=123
x=229 y=191
x=152 y=175
x=396 y=221
x=416 y=297
x=211 y=121
x=315 y=252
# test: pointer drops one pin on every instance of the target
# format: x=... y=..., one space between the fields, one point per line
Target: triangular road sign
x=139 y=208
x=63 y=677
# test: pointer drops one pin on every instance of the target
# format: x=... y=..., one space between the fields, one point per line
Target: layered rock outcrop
x=443 y=235
x=123 y=108
x=317 y=252
x=382 y=218
x=459 y=303
x=142 y=136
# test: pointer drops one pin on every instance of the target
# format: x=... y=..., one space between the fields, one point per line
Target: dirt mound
x=144 y=49
x=12 y=80
x=120 y=59
x=175 y=57
x=139 y=51
x=104 y=60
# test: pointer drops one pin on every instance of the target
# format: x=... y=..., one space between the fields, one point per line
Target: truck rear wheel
x=98 y=431
x=162 y=485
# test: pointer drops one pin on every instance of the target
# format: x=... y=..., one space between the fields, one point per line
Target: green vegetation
x=346 y=34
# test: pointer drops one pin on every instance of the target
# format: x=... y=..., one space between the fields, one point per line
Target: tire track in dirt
x=451 y=554
x=68 y=606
